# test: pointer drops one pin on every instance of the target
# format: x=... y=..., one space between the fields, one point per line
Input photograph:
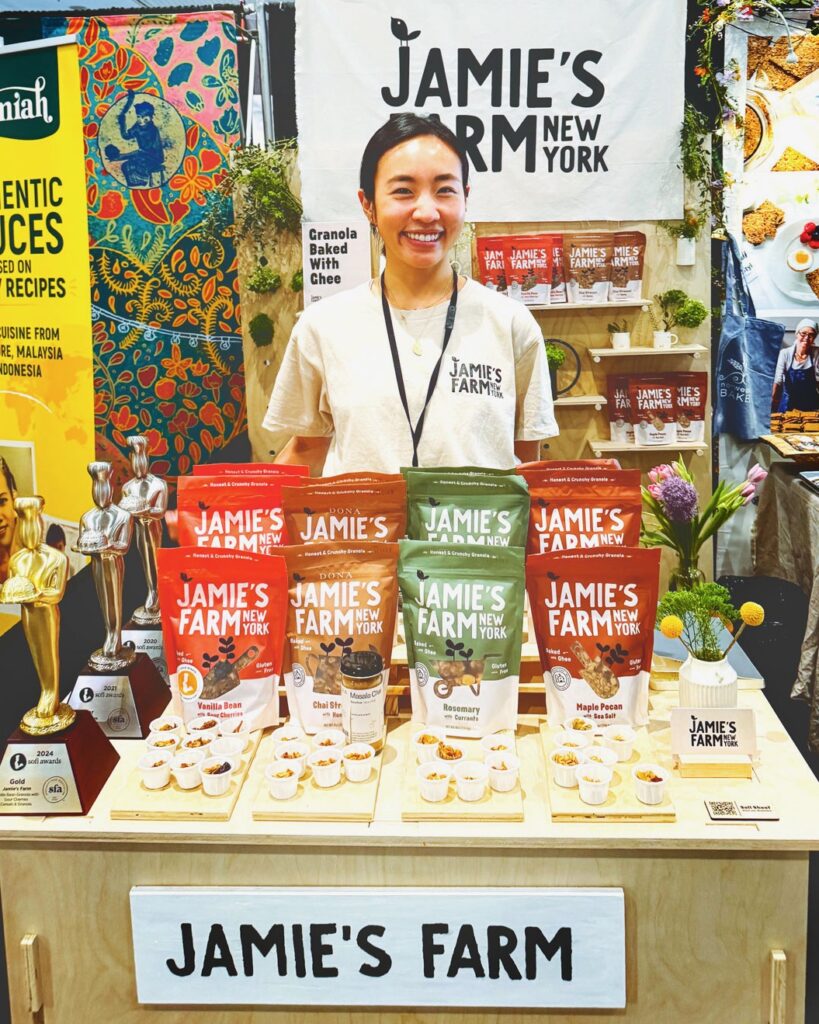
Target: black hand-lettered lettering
x=466 y=954
x=525 y=133
x=537 y=76
x=383 y=959
x=188 y=954
x=536 y=941
x=596 y=88
x=491 y=65
x=403 y=80
x=217 y=953
x=298 y=951
x=251 y=940
x=433 y=82
x=429 y=947
x=500 y=944
x=319 y=950
x=470 y=131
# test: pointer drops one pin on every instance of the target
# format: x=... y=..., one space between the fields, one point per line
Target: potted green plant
x=619 y=334
x=698 y=618
x=674 y=308
x=555 y=357
x=686 y=232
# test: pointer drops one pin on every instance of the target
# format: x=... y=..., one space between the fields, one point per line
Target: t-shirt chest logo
x=475 y=378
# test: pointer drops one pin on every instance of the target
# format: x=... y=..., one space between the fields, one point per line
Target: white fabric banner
x=570 y=110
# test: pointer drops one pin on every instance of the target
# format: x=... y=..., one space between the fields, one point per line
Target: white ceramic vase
x=620 y=340
x=686 y=252
x=707 y=684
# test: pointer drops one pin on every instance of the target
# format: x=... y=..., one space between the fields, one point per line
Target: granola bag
x=463 y=616
x=621 y=427
x=653 y=409
x=558 y=293
x=354 y=479
x=529 y=267
x=467 y=507
x=342 y=600
x=579 y=511
x=492 y=270
x=587 y=259
x=243 y=469
x=627 y=266
x=225 y=512
x=594 y=617
x=318 y=514
x=223 y=615
x=692 y=398
x=532 y=471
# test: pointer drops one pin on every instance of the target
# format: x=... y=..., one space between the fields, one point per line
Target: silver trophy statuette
x=105 y=536
x=145 y=496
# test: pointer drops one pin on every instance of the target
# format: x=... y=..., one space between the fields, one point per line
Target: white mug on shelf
x=620 y=340
x=664 y=339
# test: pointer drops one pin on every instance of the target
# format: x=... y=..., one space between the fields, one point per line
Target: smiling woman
x=424 y=366
x=8 y=518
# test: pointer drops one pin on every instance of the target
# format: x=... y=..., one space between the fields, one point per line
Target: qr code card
x=740 y=810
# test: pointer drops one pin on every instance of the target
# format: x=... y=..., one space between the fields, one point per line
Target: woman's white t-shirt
x=337 y=380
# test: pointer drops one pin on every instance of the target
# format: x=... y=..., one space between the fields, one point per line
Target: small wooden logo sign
x=710 y=731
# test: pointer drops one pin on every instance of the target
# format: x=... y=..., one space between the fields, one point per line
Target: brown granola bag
x=621 y=426
x=342 y=600
x=594 y=615
x=588 y=257
x=692 y=399
x=627 y=266
x=653 y=402
x=577 y=511
x=318 y=514
x=558 y=294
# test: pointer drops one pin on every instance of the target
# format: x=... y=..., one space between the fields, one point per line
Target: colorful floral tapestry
x=161 y=112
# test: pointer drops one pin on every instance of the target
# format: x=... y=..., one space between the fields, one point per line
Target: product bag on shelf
x=627 y=266
x=241 y=469
x=529 y=268
x=532 y=471
x=587 y=258
x=318 y=514
x=653 y=400
x=692 y=402
x=229 y=512
x=463 y=616
x=223 y=616
x=580 y=511
x=621 y=425
x=355 y=479
x=342 y=600
x=492 y=269
x=594 y=615
x=467 y=507
x=558 y=294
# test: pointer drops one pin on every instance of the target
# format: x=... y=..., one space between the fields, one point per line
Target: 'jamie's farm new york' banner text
x=568 y=110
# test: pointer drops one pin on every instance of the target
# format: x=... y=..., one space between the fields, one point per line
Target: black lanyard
x=418 y=429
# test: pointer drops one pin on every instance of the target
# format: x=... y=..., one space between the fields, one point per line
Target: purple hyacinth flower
x=679 y=500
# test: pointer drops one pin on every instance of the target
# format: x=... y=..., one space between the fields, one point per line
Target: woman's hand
x=305 y=451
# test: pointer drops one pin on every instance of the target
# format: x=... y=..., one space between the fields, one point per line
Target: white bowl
x=503 y=771
x=294 y=754
x=425 y=752
x=650 y=792
x=433 y=790
x=216 y=785
x=200 y=726
x=326 y=775
x=450 y=762
x=585 y=728
x=497 y=743
x=165 y=742
x=325 y=739
x=593 y=781
x=167 y=725
x=197 y=738
x=237 y=728
x=227 y=746
x=471 y=778
x=189 y=777
x=564 y=774
x=604 y=755
x=156 y=769
x=358 y=769
x=621 y=747
x=289 y=733
x=281 y=788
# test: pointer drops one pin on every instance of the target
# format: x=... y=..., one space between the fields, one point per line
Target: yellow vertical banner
x=46 y=363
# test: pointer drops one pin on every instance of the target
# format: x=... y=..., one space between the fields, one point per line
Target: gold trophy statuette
x=145 y=496
x=37 y=578
x=105 y=536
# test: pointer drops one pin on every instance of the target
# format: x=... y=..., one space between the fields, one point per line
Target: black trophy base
x=124 y=701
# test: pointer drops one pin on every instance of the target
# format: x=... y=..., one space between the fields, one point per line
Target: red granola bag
x=577 y=511
x=594 y=615
x=532 y=470
x=692 y=399
x=492 y=268
x=242 y=469
x=315 y=514
x=558 y=294
x=529 y=268
x=653 y=401
x=223 y=616
x=225 y=512
x=621 y=425
x=354 y=479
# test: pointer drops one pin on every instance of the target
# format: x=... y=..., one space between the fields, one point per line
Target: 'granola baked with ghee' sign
x=594 y=615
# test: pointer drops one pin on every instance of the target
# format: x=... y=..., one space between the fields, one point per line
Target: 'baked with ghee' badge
x=594 y=615
x=463 y=617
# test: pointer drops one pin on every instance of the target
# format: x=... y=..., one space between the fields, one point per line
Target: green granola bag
x=469 y=506
x=463 y=615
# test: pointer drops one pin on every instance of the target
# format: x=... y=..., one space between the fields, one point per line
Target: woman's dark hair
x=7 y=473
x=55 y=535
x=398 y=129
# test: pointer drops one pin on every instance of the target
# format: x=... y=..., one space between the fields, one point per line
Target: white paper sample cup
x=216 y=783
x=295 y=754
x=620 y=739
x=155 y=768
x=324 y=739
x=433 y=781
x=288 y=733
x=593 y=780
x=601 y=755
x=282 y=780
x=564 y=761
x=237 y=729
x=166 y=725
x=326 y=767
x=426 y=743
x=503 y=771
x=359 y=759
x=646 y=790
x=471 y=778
x=203 y=725
x=162 y=742
x=227 y=746
x=185 y=768
x=497 y=743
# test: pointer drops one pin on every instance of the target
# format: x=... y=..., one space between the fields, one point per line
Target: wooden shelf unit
x=605 y=447
x=695 y=351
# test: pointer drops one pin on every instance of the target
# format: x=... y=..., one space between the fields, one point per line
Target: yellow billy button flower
x=752 y=614
x=671 y=626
